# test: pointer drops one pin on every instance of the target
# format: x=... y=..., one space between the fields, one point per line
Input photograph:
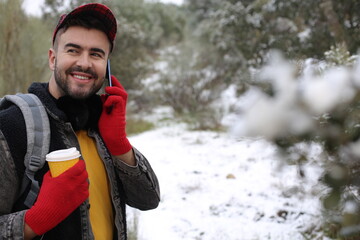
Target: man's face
x=78 y=62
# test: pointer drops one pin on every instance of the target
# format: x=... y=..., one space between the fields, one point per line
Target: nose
x=84 y=61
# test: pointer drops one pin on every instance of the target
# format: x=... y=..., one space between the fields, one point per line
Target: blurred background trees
x=186 y=57
x=224 y=37
x=23 y=49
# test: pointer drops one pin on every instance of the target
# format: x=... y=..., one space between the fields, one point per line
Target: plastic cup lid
x=63 y=155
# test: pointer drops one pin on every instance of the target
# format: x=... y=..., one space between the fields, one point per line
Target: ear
x=52 y=57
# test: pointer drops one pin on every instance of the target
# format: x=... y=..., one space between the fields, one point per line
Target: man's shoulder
x=10 y=111
x=13 y=129
x=11 y=119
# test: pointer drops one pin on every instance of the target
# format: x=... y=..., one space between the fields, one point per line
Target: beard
x=80 y=92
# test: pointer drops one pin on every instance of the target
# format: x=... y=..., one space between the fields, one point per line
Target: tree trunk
x=335 y=28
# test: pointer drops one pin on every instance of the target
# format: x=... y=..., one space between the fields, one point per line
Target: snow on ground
x=214 y=186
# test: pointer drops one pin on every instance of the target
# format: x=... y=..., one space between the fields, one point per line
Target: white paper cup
x=61 y=160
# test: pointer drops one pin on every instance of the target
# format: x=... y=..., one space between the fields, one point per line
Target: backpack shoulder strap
x=38 y=139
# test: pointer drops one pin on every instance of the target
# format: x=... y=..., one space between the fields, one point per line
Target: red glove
x=58 y=198
x=112 y=120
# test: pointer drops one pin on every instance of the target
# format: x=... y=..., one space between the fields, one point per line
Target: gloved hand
x=58 y=198
x=112 y=120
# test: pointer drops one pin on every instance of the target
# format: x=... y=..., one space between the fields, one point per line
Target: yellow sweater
x=101 y=212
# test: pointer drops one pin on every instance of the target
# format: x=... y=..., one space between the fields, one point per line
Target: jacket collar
x=81 y=114
x=42 y=91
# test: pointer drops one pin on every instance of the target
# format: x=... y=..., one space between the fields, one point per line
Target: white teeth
x=81 y=77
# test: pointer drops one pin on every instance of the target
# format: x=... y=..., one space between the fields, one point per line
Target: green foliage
x=298 y=28
x=136 y=126
x=338 y=56
x=24 y=44
x=143 y=28
x=190 y=85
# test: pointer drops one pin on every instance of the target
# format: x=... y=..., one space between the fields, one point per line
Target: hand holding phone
x=112 y=122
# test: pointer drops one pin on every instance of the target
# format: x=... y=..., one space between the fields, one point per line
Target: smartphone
x=108 y=73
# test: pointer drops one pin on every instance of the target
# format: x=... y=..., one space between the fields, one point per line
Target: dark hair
x=88 y=22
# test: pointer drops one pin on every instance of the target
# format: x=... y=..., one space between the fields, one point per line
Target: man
x=88 y=200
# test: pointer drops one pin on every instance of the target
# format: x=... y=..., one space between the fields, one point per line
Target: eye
x=71 y=50
x=97 y=55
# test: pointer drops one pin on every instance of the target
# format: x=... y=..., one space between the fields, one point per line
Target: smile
x=81 y=77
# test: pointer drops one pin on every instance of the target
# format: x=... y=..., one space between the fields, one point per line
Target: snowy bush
x=312 y=102
x=191 y=89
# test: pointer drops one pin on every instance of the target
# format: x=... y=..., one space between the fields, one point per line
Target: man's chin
x=82 y=93
x=79 y=95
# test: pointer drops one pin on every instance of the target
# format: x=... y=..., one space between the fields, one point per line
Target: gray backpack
x=38 y=139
